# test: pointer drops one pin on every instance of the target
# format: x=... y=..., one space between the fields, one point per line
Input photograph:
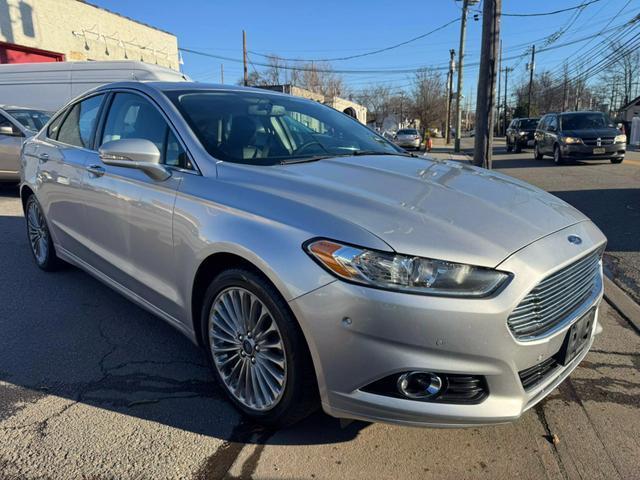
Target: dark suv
x=521 y=133
x=579 y=135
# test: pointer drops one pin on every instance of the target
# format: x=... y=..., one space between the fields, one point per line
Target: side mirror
x=135 y=153
x=10 y=131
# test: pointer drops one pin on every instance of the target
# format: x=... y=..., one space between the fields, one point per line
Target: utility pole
x=463 y=32
x=497 y=126
x=532 y=67
x=244 y=58
x=452 y=65
x=222 y=73
x=565 y=87
x=483 y=148
x=506 y=88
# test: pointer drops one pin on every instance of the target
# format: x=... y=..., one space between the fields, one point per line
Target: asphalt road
x=91 y=386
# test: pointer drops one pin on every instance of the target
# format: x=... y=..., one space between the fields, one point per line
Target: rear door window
x=79 y=125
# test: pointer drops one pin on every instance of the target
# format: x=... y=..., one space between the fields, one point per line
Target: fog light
x=419 y=385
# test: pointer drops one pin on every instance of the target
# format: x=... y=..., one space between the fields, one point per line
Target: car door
x=551 y=134
x=10 y=144
x=130 y=214
x=62 y=154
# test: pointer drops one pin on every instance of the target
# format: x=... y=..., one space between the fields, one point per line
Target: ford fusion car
x=315 y=262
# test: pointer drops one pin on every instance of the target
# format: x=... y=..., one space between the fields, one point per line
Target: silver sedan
x=313 y=260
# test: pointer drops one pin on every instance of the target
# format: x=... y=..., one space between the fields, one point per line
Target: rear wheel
x=557 y=156
x=258 y=353
x=39 y=237
x=617 y=160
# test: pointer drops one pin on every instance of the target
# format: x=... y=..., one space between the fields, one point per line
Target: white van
x=49 y=86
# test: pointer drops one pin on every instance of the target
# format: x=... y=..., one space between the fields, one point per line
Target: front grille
x=594 y=141
x=531 y=376
x=555 y=298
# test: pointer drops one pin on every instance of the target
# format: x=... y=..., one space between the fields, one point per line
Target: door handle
x=96 y=170
x=43 y=157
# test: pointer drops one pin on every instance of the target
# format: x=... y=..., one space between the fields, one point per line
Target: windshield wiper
x=357 y=153
x=315 y=158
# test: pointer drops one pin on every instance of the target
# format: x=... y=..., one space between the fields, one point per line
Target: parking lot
x=91 y=386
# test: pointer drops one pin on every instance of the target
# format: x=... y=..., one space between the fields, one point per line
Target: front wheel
x=617 y=160
x=42 y=248
x=557 y=156
x=536 y=152
x=509 y=147
x=257 y=350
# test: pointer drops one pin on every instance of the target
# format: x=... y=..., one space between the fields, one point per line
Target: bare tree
x=378 y=101
x=429 y=98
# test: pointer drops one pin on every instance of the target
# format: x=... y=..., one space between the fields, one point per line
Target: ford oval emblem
x=576 y=240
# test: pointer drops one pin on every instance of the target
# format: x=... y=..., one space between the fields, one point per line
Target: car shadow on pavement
x=500 y=163
x=65 y=334
x=9 y=190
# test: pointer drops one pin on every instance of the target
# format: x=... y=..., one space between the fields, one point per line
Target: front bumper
x=389 y=332
x=586 y=152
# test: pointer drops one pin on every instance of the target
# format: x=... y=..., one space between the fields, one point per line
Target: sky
x=329 y=29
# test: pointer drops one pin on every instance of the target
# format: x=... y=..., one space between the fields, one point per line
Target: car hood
x=436 y=209
x=592 y=132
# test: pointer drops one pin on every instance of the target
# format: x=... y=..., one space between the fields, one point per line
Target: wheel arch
x=25 y=193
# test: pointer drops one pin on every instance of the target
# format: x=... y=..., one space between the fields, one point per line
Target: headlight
x=620 y=139
x=572 y=140
x=523 y=134
x=404 y=273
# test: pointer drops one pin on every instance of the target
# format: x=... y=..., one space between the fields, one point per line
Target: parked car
x=316 y=262
x=16 y=124
x=521 y=133
x=408 y=138
x=579 y=135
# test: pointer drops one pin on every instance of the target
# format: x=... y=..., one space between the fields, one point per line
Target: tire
x=39 y=237
x=292 y=398
x=509 y=147
x=557 y=155
x=536 y=153
x=617 y=160
x=517 y=148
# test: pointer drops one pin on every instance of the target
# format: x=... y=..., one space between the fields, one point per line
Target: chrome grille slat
x=557 y=296
x=566 y=275
x=551 y=307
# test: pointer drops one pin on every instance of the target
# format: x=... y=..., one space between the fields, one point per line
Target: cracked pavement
x=91 y=386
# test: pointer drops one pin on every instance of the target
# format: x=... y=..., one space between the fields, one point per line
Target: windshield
x=580 y=121
x=31 y=119
x=529 y=123
x=267 y=129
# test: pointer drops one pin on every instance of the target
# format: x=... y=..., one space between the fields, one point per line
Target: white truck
x=49 y=86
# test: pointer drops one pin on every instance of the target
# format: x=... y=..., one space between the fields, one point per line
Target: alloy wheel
x=38 y=232
x=247 y=349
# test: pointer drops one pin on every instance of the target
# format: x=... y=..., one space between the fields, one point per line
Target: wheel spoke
x=253 y=368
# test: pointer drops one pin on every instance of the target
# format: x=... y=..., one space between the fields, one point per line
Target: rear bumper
x=408 y=143
x=617 y=150
x=359 y=335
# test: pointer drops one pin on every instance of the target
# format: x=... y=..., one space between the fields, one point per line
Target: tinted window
x=31 y=119
x=4 y=122
x=529 y=123
x=407 y=132
x=78 y=126
x=54 y=127
x=132 y=116
x=579 y=121
x=267 y=129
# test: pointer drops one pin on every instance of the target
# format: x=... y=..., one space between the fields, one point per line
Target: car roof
x=169 y=86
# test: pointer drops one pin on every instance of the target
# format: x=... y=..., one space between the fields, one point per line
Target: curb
x=622 y=302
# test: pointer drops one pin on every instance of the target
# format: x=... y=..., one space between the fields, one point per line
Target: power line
x=542 y=14
x=350 y=57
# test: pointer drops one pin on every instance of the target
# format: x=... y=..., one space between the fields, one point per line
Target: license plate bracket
x=598 y=151
x=577 y=337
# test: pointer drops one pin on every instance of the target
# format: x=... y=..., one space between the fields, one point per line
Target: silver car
x=408 y=138
x=16 y=124
x=313 y=260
